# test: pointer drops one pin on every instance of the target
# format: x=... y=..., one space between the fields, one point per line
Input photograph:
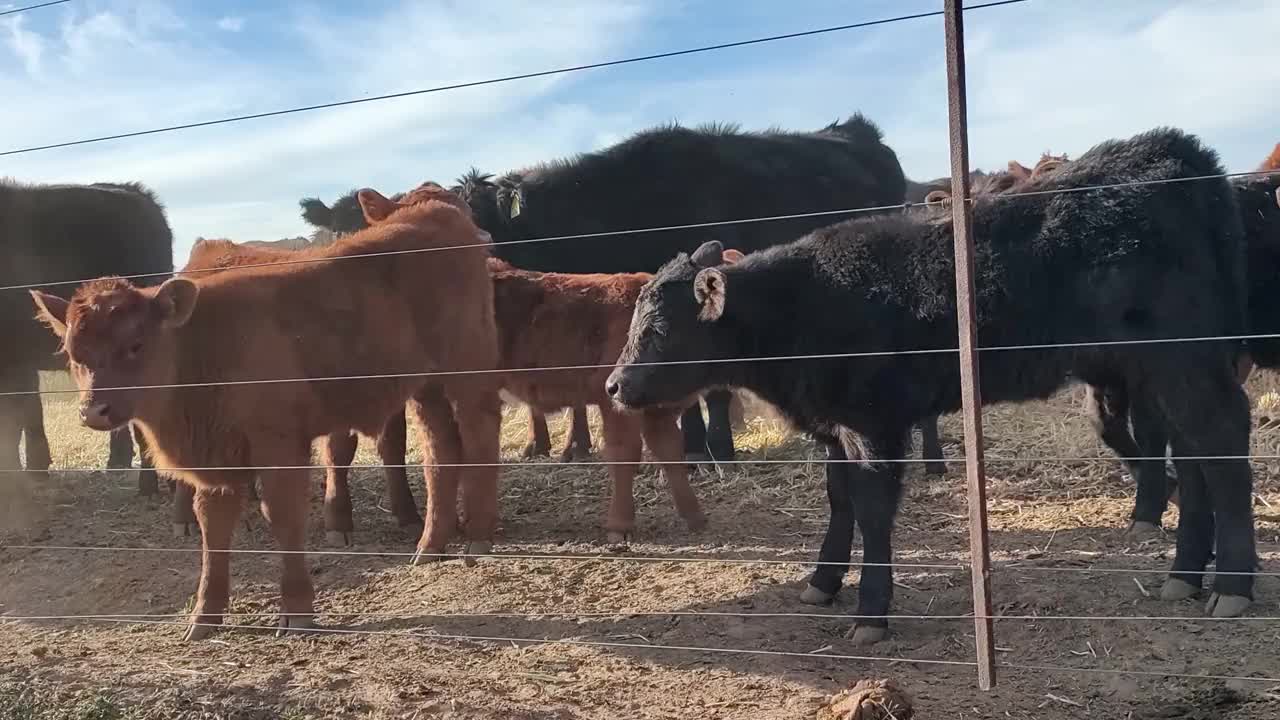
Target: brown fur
x=1273 y=160
x=406 y=313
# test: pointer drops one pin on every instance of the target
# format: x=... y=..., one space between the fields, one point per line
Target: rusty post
x=967 y=324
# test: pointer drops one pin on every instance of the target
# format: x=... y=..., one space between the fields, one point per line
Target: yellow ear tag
x=515 y=205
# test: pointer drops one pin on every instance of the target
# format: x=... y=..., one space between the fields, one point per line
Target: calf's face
x=678 y=318
x=117 y=337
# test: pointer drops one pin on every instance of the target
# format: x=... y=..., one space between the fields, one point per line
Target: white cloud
x=231 y=24
x=27 y=46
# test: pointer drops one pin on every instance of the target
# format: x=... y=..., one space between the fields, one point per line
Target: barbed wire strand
x=419 y=635
x=639 y=231
x=551 y=557
x=15 y=11
x=504 y=79
x=407 y=615
x=656 y=363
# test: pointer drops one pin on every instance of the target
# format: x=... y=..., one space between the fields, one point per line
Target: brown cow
x=393 y=315
x=562 y=319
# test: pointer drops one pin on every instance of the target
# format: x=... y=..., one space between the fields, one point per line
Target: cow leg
x=441 y=443
x=217 y=508
x=664 y=441
x=694 y=431
x=285 y=501
x=184 y=512
x=1207 y=414
x=1155 y=484
x=38 y=456
x=120 y=456
x=539 y=444
x=392 y=451
x=579 y=446
x=719 y=426
x=338 y=451
x=931 y=447
x=479 y=418
x=837 y=546
x=876 y=493
x=737 y=412
x=148 y=483
x=622 y=444
x=10 y=432
x=1109 y=410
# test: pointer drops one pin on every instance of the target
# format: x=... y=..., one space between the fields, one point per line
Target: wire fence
x=164 y=620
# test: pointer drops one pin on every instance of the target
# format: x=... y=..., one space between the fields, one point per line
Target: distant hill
x=318 y=238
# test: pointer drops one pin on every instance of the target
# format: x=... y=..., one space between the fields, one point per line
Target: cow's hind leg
x=837 y=545
x=1207 y=415
x=392 y=450
x=217 y=507
x=1110 y=409
x=37 y=442
x=539 y=443
x=694 y=431
x=578 y=448
x=285 y=495
x=876 y=492
x=664 y=441
x=931 y=447
x=338 y=451
x=719 y=425
x=183 y=510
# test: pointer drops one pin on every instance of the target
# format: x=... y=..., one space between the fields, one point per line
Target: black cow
x=1258 y=198
x=51 y=233
x=1135 y=262
x=674 y=176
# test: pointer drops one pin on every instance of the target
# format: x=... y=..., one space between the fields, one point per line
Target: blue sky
x=1043 y=75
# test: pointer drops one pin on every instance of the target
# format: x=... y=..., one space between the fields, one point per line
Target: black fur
x=50 y=233
x=1141 y=261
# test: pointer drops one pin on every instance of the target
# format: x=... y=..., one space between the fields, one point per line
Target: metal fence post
x=966 y=323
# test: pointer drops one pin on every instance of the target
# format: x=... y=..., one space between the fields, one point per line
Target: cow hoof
x=199 y=630
x=294 y=624
x=474 y=549
x=575 y=454
x=1142 y=530
x=617 y=537
x=423 y=556
x=337 y=538
x=813 y=596
x=186 y=529
x=1226 y=606
x=1175 y=589
x=532 y=451
x=863 y=635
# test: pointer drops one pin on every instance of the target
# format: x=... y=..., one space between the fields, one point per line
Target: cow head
x=680 y=316
x=342 y=218
x=376 y=207
x=118 y=336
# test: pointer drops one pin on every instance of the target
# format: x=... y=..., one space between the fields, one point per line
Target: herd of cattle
x=446 y=301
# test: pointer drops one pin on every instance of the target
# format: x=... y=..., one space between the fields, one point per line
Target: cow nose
x=612 y=388
x=96 y=415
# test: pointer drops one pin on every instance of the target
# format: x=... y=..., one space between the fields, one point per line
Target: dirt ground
x=448 y=641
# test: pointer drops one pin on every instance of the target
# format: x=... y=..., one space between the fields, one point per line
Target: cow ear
x=732 y=256
x=709 y=254
x=708 y=288
x=177 y=300
x=52 y=311
x=375 y=206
